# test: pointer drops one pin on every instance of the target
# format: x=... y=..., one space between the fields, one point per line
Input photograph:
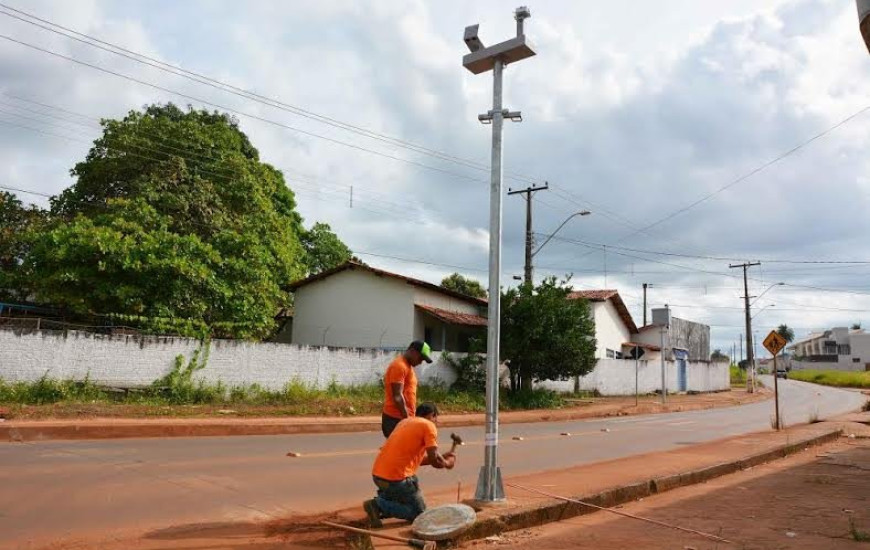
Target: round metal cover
x=444 y=522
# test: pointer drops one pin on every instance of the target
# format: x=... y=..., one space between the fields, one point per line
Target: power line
x=235 y=90
x=708 y=257
x=241 y=113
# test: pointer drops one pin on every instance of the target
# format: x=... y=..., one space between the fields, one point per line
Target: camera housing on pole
x=481 y=59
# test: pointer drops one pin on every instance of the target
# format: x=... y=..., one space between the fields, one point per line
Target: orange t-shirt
x=400 y=372
x=401 y=455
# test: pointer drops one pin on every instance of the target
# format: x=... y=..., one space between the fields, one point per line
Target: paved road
x=54 y=490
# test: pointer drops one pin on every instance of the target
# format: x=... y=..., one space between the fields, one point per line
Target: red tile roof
x=381 y=273
x=604 y=295
x=593 y=295
x=453 y=317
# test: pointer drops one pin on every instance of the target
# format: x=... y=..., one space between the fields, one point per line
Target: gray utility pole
x=750 y=380
x=645 y=286
x=482 y=59
x=530 y=237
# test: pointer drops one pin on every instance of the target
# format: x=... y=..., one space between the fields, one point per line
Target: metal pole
x=489 y=486
x=776 y=393
x=644 y=304
x=635 y=375
x=664 y=378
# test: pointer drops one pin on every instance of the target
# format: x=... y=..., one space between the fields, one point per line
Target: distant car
x=782 y=373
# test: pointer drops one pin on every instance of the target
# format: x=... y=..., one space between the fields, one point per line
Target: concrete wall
x=616 y=377
x=692 y=337
x=860 y=344
x=354 y=309
x=127 y=361
x=610 y=331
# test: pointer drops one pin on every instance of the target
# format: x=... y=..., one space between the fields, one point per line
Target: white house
x=839 y=348
x=357 y=306
x=614 y=327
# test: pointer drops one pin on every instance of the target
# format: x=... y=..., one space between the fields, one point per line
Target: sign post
x=774 y=344
x=636 y=352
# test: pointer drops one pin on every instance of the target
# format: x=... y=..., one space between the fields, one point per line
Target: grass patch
x=178 y=394
x=857 y=534
x=841 y=379
x=738 y=375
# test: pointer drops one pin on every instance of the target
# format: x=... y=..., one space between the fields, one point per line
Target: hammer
x=457 y=440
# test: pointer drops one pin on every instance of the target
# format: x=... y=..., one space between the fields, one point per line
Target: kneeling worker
x=412 y=444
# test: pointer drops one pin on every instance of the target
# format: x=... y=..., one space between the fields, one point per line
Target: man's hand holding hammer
x=450 y=456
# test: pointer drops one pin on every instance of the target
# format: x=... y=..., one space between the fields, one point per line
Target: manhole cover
x=444 y=522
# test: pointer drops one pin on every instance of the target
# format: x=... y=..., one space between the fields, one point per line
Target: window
x=611 y=354
x=844 y=349
x=427 y=335
x=617 y=354
x=856 y=359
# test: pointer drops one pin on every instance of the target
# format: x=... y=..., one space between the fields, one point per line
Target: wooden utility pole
x=750 y=358
x=645 y=286
x=530 y=238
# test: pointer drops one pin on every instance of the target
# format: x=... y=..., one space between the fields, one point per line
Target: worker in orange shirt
x=412 y=444
x=400 y=385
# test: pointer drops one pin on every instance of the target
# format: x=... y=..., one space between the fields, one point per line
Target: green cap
x=423 y=348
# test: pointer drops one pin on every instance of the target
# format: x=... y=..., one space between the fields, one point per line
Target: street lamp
x=482 y=59
x=553 y=234
x=864 y=20
x=757 y=313
x=766 y=290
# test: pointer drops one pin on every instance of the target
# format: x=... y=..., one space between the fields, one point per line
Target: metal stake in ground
x=483 y=59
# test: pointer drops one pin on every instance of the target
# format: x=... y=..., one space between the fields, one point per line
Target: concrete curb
x=557 y=510
x=42 y=430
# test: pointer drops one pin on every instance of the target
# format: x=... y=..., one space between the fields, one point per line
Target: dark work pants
x=388 y=424
x=399 y=499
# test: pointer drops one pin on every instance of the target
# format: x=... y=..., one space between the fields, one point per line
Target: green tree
x=173 y=215
x=544 y=335
x=464 y=285
x=786 y=332
x=323 y=249
x=17 y=225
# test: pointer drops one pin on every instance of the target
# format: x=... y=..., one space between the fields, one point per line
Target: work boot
x=373 y=513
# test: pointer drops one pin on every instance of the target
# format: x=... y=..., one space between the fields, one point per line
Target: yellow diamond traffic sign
x=774 y=342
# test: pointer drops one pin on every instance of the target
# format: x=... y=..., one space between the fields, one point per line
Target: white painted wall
x=354 y=309
x=427 y=297
x=610 y=331
x=127 y=361
x=616 y=377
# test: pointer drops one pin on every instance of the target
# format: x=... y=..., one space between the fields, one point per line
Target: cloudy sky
x=662 y=118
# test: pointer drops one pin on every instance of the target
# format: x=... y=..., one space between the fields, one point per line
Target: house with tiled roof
x=358 y=306
x=615 y=330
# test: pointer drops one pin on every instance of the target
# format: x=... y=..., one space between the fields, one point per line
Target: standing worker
x=400 y=385
x=414 y=443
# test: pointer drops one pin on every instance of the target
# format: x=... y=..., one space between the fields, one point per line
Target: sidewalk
x=116 y=428
x=616 y=482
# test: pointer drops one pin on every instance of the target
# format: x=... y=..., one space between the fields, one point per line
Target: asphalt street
x=59 y=489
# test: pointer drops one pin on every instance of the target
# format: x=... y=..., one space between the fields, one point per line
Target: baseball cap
x=423 y=348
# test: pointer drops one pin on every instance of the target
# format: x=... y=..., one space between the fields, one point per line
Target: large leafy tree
x=463 y=285
x=173 y=215
x=786 y=332
x=545 y=335
x=323 y=249
x=17 y=223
